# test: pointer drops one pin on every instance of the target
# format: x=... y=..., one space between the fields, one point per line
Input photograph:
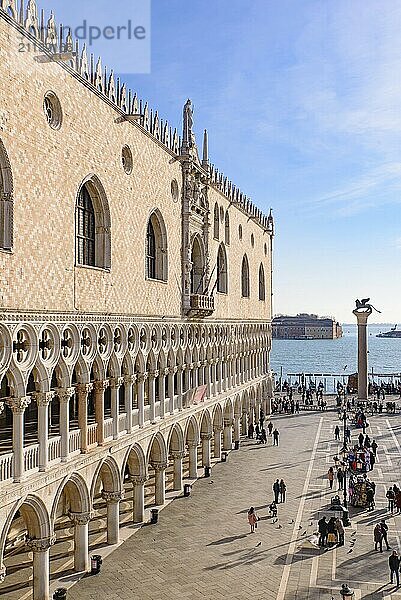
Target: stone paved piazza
x=201 y=547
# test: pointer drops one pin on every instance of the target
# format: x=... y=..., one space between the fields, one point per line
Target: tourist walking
x=340 y=478
x=340 y=531
x=331 y=532
x=361 y=437
x=250 y=431
x=337 y=433
x=378 y=537
x=397 y=492
x=330 y=477
x=394 y=564
x=374 y=448
x=276 y=490
x=275 y=436
x=390 y=497
x=283 y=489
x=384 y=528
x=322 y=526
x=252 y=519
x=263 y=435
x=370 y=497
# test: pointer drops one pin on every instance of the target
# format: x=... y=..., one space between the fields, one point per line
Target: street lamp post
x=346 y=592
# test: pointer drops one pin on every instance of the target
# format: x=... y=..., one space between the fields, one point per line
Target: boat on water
x=393 y=333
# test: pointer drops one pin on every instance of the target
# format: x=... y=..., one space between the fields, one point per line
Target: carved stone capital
x=82 y=518
x=159 y=466
x=177 y=455
x=116 y=382
x=192 y=445
x=3 y=572
x=18 y=405
x=65 y=394
x=153 y=374
x=217 y=429
x=112 y=497
x=142 y=377
x=84 y=388
x=43 y=398
x=100 y=386
x=41 y=545
x=129 y=379
x=2 y=405
x=166 y=371
x=228 y=422
x=138 y=479
x=206 y=437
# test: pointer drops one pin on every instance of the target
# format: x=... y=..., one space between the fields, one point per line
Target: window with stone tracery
x=216 y=222
x=262 y=286
x=227 y=228
x=92 y=226
x=6 y=201
x=245 y=277
x=156 y=248
x=222 y=280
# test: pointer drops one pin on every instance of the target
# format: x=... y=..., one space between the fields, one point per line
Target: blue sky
x=302 y=100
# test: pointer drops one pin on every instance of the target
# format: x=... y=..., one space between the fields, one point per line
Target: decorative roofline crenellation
x=58 y=46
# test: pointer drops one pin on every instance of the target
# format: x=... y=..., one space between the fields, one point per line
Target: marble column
x=219 y=376
x=83 y=390
x=177 y=457
x=193 y=459
x=208 y=378
x=18 y=406
x=217 y=442
x=138 y=482
x=81 y=540
x=43 y=400
x=162 y=391
x=206 y=437
x=160 y=482
x=362 y=320
x=244 y=424
x=152 y=394
x=64 y=397
x=237 y=428
x=179 y=387
x=129 y=381
x=141 y=378
x=115 y=384
x=41 y=566
x=171 y=373
x=99 y=389
x=113 y=500
x=228 y=434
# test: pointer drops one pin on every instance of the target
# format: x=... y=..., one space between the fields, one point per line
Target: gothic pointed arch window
x=198 y=266
x=92 y=226
x=262 y=284
x=227 y=228
x=245 y=277
x=156 y=248
x=216 y=221
x=6 y=201
x=222 y=271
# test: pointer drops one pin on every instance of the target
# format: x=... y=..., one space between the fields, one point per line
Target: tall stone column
x=208 y=378
x=64 y=397
x=18 y=406
x=187 y=377
x=179 y=387
x=115 y=384
x=141 y=378
x=113 y=500
x=152 y=393
x=217 y=442
x=237 y=428
x=177 y=457
x=160 y=482
x=193 y=459
x=81 y=540
x=83 y=390
x=172 y=371
x=244 y=424
x=162 y=391
x=227 y=434
x=41 y=566
x=99 y=388
x=206 y=437
x=362 y=315
x=43 y=400
x=219 y=376
x=138 y=482
x=129 y=381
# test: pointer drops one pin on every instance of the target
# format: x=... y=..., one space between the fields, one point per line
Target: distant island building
x=305 y=327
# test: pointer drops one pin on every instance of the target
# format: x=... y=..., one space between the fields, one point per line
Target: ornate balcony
x=201 y=305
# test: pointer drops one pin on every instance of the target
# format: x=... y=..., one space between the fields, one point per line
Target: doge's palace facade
x=135 y=323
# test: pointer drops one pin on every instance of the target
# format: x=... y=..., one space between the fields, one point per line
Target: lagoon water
x=337 y=356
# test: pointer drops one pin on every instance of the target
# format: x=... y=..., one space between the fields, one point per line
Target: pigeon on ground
x=299 y=526
x=304 y=532
x=211 y=482
x=279 y=526
x=258 y=544
x=349 y=551
x=291 y=522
